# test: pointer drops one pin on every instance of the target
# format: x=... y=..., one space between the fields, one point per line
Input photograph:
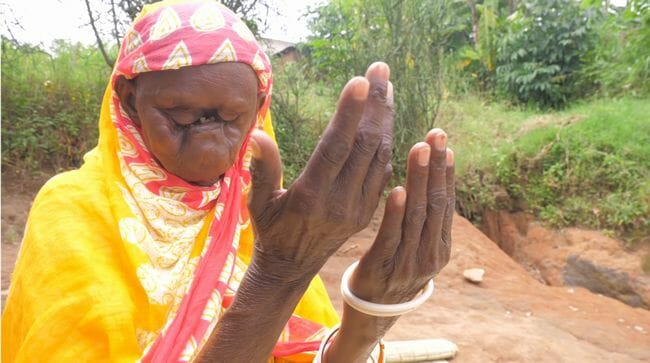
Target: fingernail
x=389 y=92
x=441 y=142
x=359 y=88
x=380 y=69
x=400 y=196
x=423 y=155
x=450 y=157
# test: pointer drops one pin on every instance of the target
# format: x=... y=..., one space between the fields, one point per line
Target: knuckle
x=415 y=215
x=379 y=92
x=335 y=152
x=366 y=142
x=437 y=201
x=385 y=154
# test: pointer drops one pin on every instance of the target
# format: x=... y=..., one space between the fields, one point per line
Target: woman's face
x=194 y=119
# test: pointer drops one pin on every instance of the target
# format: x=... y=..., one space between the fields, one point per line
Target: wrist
x=277 y=271
x=358 y=335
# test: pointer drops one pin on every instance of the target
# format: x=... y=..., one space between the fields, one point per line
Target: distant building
x=282 y=49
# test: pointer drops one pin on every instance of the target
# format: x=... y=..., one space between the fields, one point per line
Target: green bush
x=540 y=54
x=410 y=36
x=620 y=62
x=50 y=104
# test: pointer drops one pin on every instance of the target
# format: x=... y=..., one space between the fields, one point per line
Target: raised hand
x=414 y=240
x=340 y=188
x=412 y=245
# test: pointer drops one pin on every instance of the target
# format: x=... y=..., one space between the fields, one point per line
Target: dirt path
x=510 y=317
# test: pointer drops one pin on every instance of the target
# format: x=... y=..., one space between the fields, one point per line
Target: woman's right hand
x=298 y=229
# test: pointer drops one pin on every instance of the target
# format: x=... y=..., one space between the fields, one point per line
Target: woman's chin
x=204 y=183
x=199 y=179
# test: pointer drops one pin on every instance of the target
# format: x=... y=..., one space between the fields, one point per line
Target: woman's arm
x=298 y=229
x=249 y=329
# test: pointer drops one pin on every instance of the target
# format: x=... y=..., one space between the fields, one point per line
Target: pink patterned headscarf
x=175 y=35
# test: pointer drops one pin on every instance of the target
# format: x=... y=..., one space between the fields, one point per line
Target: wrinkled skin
x=298 y=229
x=168 y=106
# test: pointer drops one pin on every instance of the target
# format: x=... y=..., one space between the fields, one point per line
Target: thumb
x=266 y=170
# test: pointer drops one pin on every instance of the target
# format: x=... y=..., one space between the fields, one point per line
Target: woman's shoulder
x=73 y=192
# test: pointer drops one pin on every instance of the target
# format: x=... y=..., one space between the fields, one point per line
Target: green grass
x=587 y=166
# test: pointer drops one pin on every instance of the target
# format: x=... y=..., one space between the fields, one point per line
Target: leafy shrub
x=50 y=104
x=620 y=62
x=410 y=36
x=540 y=55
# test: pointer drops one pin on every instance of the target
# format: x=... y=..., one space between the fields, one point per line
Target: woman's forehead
x=236 y=81
x=232 y=73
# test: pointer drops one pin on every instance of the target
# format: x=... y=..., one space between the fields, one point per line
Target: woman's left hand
x=414 y=241
x=413 y=244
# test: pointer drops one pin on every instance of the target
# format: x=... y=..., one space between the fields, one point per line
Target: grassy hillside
x=588 y=165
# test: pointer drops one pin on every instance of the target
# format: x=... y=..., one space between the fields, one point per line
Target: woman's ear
x=125 y=89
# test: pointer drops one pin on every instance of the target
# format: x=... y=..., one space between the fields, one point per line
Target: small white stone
x=528 y=313
x=474 y=275
x=638 y=328
x=621 y=320
x=570 y=291
x=573 y=308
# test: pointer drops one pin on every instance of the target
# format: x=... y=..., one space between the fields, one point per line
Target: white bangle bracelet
x=383 y=310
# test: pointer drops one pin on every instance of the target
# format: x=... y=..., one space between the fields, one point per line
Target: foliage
x=620 y=63
x=541 y=53
x=50 y=104
x=480 y=57
x=301 y=108
x=573 y=169
x=410 y=36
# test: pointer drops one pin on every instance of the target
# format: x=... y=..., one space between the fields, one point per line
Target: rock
x=474 y=275
x=571 y=257
x=600 y=275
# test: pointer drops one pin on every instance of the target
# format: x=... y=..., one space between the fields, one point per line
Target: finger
x=334 y=147
x=436 y=194
x=390 y=231
x=376 y=125
x=451 y=205
x=266 y=170
x=416 y=200
x=378 y=174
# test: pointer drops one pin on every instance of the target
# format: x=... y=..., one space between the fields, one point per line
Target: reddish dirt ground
x=509 y=317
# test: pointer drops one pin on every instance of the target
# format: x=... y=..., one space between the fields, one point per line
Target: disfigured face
x=194 y=120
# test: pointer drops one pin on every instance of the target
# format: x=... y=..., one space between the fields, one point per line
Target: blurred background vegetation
x=546 y=101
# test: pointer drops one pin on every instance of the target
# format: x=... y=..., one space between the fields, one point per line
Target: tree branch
x=108 y=61
x=116 y=33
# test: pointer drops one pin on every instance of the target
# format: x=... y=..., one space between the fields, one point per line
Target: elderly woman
x=146 y=252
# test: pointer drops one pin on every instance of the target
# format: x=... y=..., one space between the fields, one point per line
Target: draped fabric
x=124 y=261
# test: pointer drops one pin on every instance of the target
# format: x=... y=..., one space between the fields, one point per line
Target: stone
x=474 y=275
